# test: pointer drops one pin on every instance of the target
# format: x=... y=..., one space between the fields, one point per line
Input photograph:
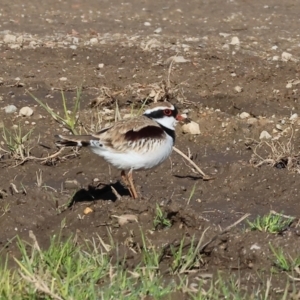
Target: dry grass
x=277 y=154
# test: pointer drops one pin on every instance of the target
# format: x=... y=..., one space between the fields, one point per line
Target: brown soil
x=134 y=61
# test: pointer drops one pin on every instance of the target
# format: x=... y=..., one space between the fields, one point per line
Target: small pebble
x=158 y=30
x=26 y=111
x=87 y=210
x=279 y=127
x=265 y=135
x=191 y=127
x=147 y=24
x=238 y=89
x=251 y=121
x=63 y=78
x=93 y=41
x=294 y=117
x=10 y=109
x=285 y=56
x=235 y=41
x=244 y=115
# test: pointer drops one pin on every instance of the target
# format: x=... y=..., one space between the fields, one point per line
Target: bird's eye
x=168 y=112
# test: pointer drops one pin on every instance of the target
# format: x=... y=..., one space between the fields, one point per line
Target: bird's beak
x=179 y=117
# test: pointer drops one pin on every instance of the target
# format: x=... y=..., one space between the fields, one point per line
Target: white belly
x=146 y=158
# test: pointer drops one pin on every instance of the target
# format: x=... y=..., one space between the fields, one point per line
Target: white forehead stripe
x=150 y=110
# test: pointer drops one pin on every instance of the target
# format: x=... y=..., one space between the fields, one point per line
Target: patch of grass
x=16 y=142
x=67 y=270
x=191 y=194
x=186 y=259
x=231 y=288
x=161 y=220
x=273 y=223
x=70 y=118
x=5 y=209
x=284 y=262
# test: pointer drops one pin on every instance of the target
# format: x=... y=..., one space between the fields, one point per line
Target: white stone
x=285 y=56
x=75 y=40
x=275 y=57
x=255 y=247
x=274 y=47
x=9 y=38
x=235 y=41
x=294 y=117
x=279 y=127
x=32 y=44
x=289 y=85
x=158 y=30
x=191 y=127
x=244 y=115
x=63 y=78
x=100 y=66
x=10 y=109
x=26 y=111
x=265 y=135
x=147 y=24
x=251 y=121
x=238 y=89
x=93 y=41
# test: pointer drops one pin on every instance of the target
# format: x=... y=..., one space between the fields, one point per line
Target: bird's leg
x=132 y=187
x=125 y=180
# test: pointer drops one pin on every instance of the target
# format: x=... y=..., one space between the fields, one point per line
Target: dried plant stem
x=204 y=176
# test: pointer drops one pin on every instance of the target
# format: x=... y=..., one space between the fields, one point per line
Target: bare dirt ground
x=238 y=56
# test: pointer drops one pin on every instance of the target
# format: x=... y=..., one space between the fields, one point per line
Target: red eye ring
x=168 y=112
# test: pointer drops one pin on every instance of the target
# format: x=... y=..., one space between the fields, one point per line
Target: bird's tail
x=73 y=140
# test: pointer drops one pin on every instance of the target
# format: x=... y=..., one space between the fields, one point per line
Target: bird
x=140 y=143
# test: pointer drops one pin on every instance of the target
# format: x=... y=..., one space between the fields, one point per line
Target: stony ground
x=234 y=70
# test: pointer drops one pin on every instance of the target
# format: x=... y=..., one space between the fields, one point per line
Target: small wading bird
x=136 y=144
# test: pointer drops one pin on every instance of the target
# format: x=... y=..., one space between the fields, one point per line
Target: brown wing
x=148 y=132
x=122 y=133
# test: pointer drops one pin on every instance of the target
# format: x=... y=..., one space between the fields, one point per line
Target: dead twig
x=204 y=176
x=228 y=228
x=43 y=160
x=281 y=215
x=119 y=197
x=166 y=251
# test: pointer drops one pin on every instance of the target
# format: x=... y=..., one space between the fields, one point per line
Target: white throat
x=168 y=122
